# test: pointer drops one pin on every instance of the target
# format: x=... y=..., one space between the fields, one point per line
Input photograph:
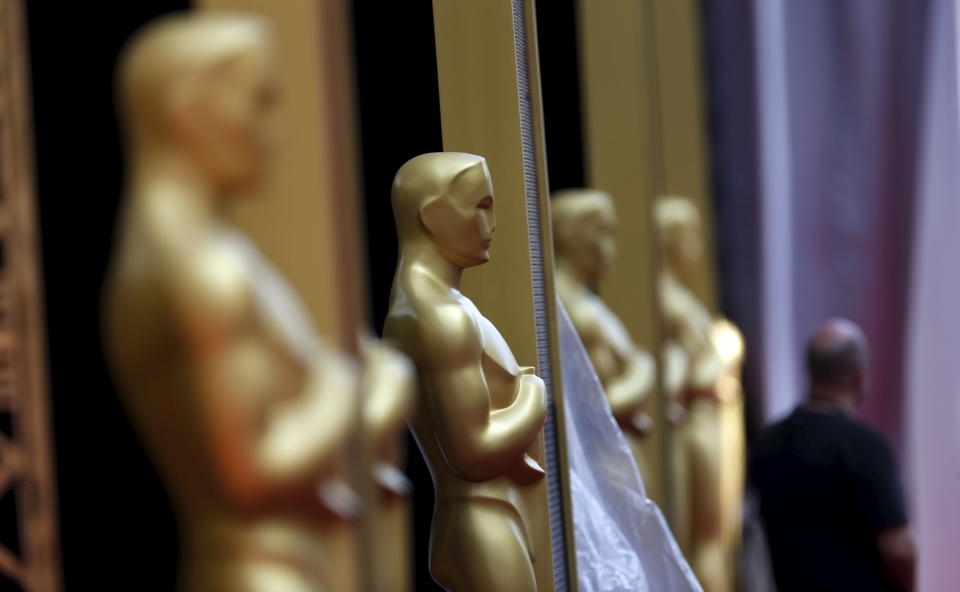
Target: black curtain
x=116 y=526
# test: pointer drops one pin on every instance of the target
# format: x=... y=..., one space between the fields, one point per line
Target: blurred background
x=820 y=138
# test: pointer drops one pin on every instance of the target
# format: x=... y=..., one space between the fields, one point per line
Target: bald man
x=479 y=410
x=830 y=496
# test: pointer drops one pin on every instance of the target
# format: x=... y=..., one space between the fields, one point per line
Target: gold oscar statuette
x=479 y=411
x=584 y=231
x=243 y=408
x=703 y=357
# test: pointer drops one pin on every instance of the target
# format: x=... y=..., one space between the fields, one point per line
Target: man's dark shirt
x=828 y=485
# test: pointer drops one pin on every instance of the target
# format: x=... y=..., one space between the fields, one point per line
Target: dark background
x=560 y=86
x=117 y=528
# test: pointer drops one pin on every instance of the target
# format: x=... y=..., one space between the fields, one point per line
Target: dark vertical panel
x=116 y=523
x=399 y=107
x=560 y=86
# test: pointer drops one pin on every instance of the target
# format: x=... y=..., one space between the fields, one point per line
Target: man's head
x=837 y=358
x=584 y=231
x=198 y=86
x=446 y=198
x=679 y=229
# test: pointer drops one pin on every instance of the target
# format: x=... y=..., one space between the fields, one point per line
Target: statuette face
x=459 y=217
x=585 y=231
x=462 y=222
x=681 y=234
x=480 y=412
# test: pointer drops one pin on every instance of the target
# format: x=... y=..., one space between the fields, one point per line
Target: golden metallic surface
x=708 y=438
x=245 y=411
x=480 y=413
x=644 y=126
x=481 y=57
x=388 y=389
x=729 y=409
x=622 y=156
x=308 y=202
x=480 y=114
x=584 y=231
x=683 y=144
x=313 y=208
x=305 y=217
x=620 y=148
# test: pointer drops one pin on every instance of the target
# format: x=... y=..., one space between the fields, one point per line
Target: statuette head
x=195 y=88
x=584 y=230
x=446 y=198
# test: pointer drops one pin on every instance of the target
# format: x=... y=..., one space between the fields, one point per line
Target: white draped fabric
x=933 y=354
x=623 y=543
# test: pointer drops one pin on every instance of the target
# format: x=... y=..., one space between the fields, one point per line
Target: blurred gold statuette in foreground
x=243 y=408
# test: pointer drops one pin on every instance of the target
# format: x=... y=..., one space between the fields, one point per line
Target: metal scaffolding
x=29 y=555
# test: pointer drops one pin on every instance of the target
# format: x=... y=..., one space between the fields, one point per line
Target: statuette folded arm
x=265 y=447
x=388 y=392
x=477 y=442
x=629 y=392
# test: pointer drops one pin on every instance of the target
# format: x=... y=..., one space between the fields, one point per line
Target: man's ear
x=433 y=214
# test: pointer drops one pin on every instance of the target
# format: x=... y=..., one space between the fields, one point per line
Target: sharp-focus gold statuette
x=584 y=229
x=479 y=411
x=703 y=358
x=243 y=409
